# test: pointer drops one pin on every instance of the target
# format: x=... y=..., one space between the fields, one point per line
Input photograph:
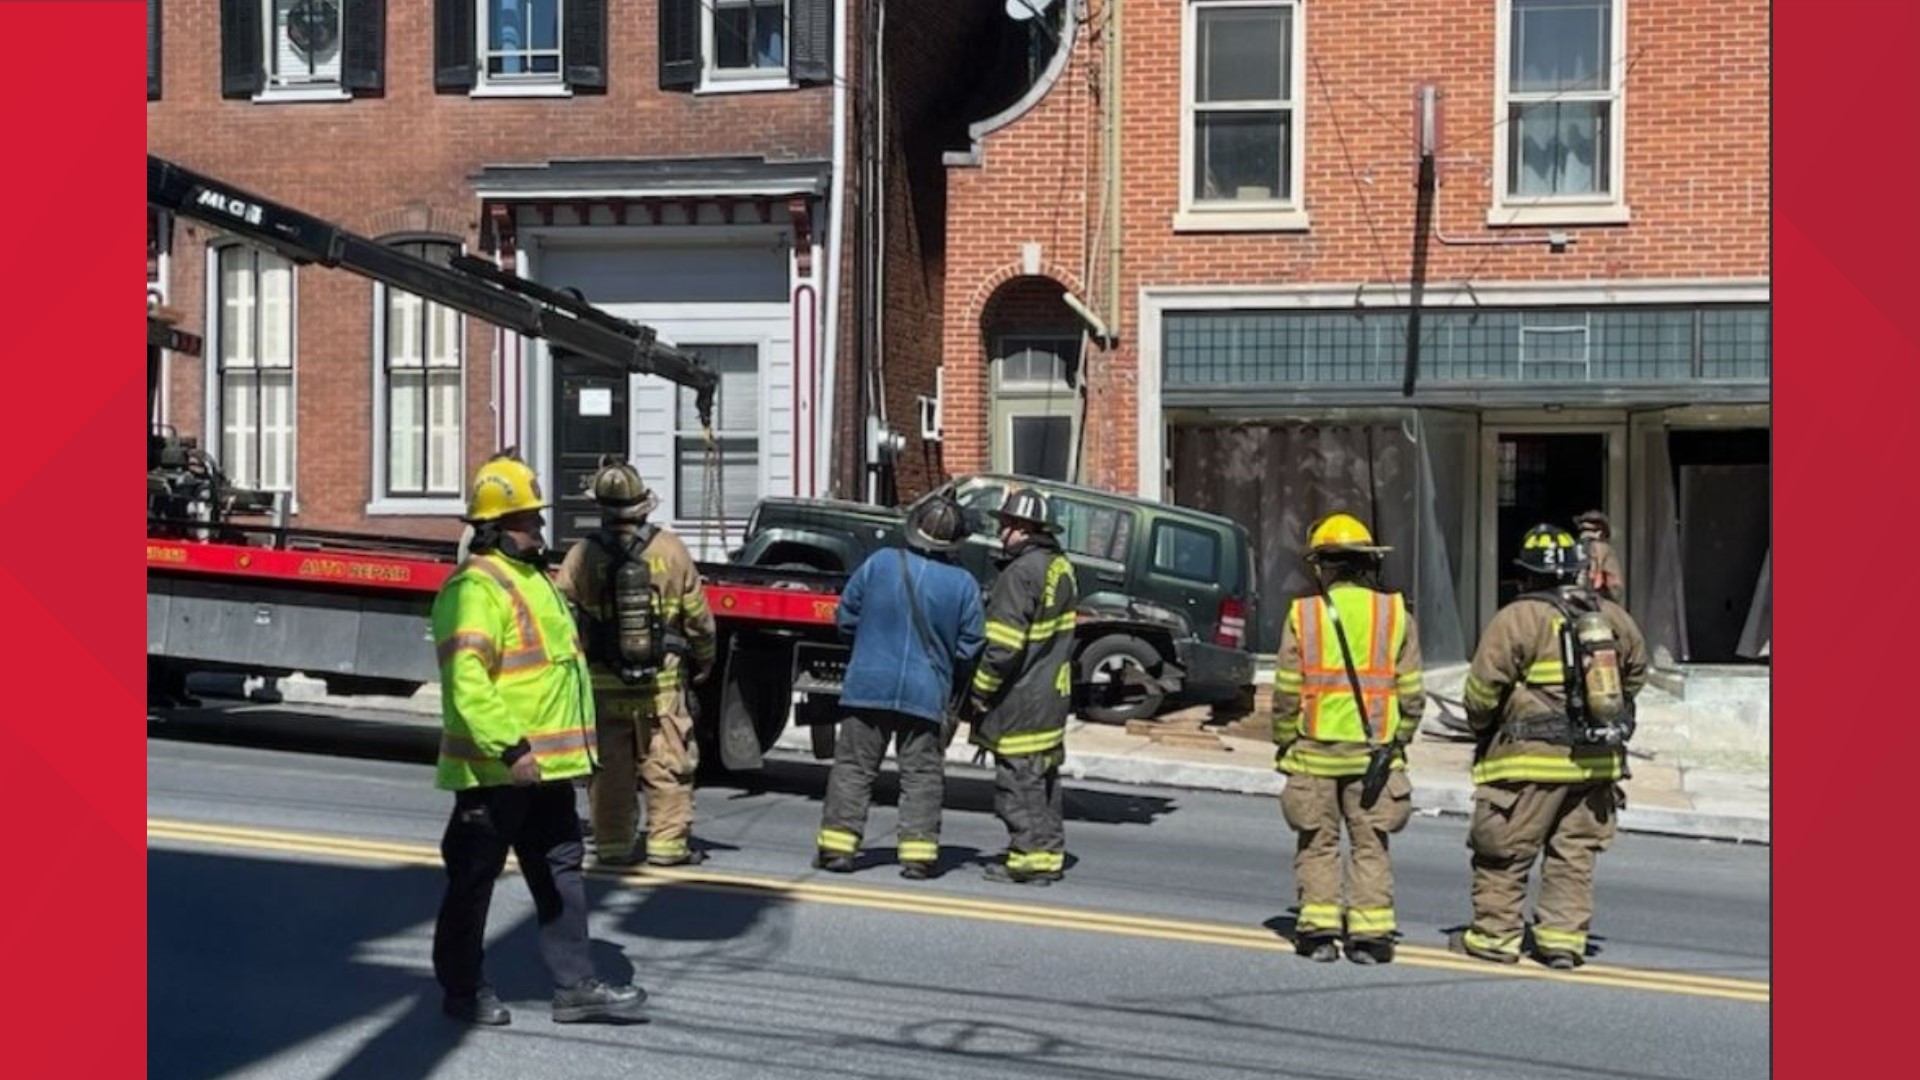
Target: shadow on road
x=967 y=792
x=249 y=958
x=311 y=730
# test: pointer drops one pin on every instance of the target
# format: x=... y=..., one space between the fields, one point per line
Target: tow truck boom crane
x=470 y=285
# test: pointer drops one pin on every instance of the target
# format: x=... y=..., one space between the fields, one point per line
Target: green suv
x=1166 y=593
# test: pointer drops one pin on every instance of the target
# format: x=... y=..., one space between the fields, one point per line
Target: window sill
x=442 y=506
x=521 y=90
x=756 y=84
x=1531 y=214
x=290 y=94
x=1238 y=220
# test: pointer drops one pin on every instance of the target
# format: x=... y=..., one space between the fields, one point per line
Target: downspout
x=824 y=390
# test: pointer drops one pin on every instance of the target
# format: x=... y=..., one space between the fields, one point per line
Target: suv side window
x=1185 y=552
x=979 y=503
x=1095 y=531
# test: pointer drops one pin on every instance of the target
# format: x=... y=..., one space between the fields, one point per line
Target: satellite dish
x=1022 y=10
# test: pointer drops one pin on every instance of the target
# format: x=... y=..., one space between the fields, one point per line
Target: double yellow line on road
x=926 y=903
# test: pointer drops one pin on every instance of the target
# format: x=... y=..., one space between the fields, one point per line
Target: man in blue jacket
x=915 y=619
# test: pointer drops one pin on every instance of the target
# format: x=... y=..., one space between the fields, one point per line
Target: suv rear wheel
x=1121 y=676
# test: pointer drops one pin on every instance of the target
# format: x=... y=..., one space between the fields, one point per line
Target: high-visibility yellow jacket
x=1316 y=723
x=511 y=669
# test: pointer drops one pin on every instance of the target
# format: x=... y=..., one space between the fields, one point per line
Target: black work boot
x=594 y=1000
x=833 y=864
x=917 y=871
x=692 y=857
x=1319 y=948
x=1560 y=959
x=1457 y=942
x=1370 y=951
x=482 y=1008
x=1001 y=873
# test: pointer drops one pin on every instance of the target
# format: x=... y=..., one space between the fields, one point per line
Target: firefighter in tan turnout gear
x=1022 y=689
x=645 y=621
x=1551 y=696
x=1345 y=755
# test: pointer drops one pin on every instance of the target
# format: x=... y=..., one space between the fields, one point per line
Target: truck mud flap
x=739 y=738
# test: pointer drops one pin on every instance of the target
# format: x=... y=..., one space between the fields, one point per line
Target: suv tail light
x=1232 y=631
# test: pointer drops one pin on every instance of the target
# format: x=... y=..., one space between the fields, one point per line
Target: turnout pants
x=1516 y=823
x=1316 y=807
x=1027 y=797
x=539 y=825
x=648 y=738
x=859 y=746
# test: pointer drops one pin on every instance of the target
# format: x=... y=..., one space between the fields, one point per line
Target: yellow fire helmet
x=1342 y=532
x=504 y=486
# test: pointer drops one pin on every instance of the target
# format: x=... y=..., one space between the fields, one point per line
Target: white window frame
x=1608 y=209
x=697 y=436
x=531 y=85
x=714 y=79
x=212 y=433
x=1278 y=215
x=1008 y=402
x=385 y=502
x=296 y=90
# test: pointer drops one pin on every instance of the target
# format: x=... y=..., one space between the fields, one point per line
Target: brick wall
x=1696 y=178
x=401 y=161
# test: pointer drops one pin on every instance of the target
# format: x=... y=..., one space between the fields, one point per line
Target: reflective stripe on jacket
x=1517 y=678
x=1316 y=723
x=1024 y=683
x=511 y=668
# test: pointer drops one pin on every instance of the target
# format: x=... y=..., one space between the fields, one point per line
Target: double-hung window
x=1242 y=136
x=1558 y=150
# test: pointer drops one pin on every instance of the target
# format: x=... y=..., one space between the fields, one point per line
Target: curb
x=1450 y=799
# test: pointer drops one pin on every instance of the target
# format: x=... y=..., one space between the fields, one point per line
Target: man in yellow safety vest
x=518 y=729
x=1347 y=698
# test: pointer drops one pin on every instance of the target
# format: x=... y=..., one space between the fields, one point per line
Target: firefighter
x=1604 y=573
x=1021 y=690
x=1343 y=767
x=1550 y=695
x=639 y=596
x=518 y=726
x=916 y=624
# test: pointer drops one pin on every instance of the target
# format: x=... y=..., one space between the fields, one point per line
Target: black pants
x=539 y=825
x=1027 y=797
x=858 y=749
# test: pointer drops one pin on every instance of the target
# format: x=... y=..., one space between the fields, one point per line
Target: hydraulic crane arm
x=470 y=285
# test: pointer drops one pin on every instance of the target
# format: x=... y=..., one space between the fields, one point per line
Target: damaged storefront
x=1529 y=404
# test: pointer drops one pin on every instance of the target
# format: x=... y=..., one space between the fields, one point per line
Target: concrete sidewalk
x=1677 y=793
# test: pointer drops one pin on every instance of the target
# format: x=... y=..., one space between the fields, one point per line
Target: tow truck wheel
x=1118 y=673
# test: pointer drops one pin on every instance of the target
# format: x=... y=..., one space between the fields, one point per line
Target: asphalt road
x=293 y=874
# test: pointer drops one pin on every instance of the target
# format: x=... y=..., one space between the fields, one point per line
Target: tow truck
x=232 y=588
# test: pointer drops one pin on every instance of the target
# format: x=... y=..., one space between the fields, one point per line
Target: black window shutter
x=679 y=44
x=811 y=55
x=153 y=50
x=363 y=64
x=584 y=47
x=453 y=33
x=240 y=33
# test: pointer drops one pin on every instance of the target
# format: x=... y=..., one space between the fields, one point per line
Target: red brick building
x=674 y=160
x=1231 y=194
